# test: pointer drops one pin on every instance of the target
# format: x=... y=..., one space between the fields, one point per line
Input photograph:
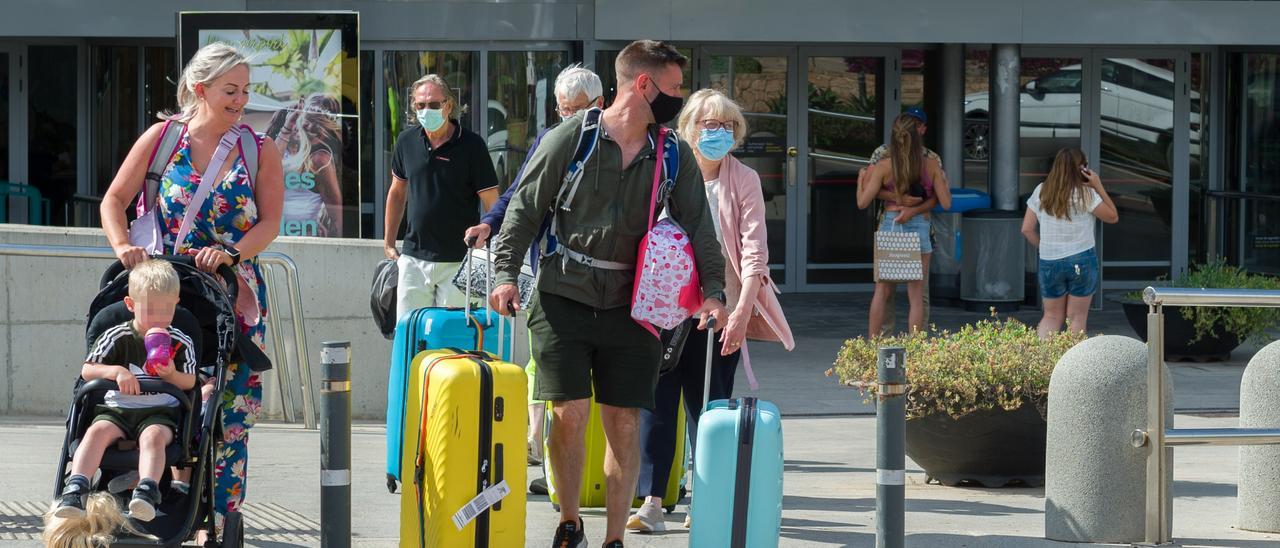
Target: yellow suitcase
x=592 y=493
x=469 y=437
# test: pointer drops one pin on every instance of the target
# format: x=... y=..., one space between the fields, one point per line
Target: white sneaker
x=535 y=454
x=647 y=519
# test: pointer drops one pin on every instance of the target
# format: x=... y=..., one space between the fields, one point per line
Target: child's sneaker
x=146 y=497
x=71 y=504
x=123 y=482
x=180 y=488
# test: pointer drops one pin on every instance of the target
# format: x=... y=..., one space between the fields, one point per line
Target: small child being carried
x=149 y=418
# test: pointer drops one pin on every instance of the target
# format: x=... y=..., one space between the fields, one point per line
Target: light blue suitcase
x=432 y=329
x=738 y=459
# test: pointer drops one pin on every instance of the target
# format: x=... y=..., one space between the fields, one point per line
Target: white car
x=497 y=137
x=1136 y=107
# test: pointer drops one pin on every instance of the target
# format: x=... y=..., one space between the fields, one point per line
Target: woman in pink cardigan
x=713 y=125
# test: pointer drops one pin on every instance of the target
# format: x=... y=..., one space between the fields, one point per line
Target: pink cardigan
x=741 y=211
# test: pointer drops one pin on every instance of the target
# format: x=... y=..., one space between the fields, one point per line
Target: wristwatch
x=233 y=253
x=719 y=296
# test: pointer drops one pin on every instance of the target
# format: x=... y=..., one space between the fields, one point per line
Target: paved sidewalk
x=829 y=483
x=829 y=493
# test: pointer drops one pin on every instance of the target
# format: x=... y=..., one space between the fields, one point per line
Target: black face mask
x=665 y=107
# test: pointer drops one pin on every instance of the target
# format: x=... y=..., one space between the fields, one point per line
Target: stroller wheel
x=233 y=530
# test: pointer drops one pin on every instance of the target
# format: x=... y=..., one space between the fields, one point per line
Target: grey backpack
x=382 y=297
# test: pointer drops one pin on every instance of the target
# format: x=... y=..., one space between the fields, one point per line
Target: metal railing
x=1157 y=436
x=270 y=261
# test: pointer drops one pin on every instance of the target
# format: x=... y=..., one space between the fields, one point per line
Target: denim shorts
x=1077 y=275
x=918 y=224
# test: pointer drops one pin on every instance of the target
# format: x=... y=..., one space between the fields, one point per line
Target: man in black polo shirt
x=445 y=171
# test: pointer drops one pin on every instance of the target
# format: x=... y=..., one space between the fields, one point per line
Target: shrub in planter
x=976 y=398
x=1208 y=332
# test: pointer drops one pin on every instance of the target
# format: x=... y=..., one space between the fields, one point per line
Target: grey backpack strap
x=160 y=157
x=587 y=139
x=250 y=154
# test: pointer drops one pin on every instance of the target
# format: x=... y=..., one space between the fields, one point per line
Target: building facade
x=1176 y=103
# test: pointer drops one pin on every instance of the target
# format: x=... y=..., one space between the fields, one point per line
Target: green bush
x=1245 y=323
x=986 y=365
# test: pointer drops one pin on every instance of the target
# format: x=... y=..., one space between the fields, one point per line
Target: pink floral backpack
x=667 y=290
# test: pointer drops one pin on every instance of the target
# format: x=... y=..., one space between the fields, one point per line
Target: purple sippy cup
x=159 y=349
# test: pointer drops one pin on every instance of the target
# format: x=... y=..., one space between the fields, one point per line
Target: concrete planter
x=1178 y=332
x=993 y=448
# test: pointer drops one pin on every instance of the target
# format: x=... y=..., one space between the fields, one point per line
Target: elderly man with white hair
x=577 y=89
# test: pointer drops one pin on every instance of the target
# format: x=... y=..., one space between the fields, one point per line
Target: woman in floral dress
x=237 y=221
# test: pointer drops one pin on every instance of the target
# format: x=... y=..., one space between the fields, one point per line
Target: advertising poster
x=304 y=92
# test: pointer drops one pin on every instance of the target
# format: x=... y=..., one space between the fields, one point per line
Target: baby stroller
x=206 y=313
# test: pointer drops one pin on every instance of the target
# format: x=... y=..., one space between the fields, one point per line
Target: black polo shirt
x=444 y=187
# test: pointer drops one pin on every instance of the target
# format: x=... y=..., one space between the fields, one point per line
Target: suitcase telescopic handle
x=706 y=390
x=706 y=379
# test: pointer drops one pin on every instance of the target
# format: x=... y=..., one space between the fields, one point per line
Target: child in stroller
x=150 y=419
x=171 y=429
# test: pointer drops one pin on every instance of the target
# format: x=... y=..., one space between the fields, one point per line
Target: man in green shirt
x=585 y=340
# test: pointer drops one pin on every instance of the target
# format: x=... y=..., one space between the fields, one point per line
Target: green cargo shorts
x=133 y=421
x=579 y=348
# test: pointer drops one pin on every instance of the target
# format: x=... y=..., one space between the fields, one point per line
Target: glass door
x=1136 y=158
x=14 y=207
x=846 y=112
x=1254 y=158
x=762 y=81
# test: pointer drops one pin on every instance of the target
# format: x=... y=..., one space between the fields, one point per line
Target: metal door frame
x=17 y=111
x=795 y=170
x=1181 y=172
x=892 y=56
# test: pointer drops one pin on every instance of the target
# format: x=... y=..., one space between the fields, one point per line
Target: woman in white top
x=1065 y=205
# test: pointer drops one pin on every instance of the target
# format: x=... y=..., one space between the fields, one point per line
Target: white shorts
x=423 y=283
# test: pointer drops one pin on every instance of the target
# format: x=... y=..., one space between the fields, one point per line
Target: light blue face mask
x=715 y=143
x=431 y=119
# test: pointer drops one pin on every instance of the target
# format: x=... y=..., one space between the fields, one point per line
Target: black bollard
x=891 y=413
x=335 y=445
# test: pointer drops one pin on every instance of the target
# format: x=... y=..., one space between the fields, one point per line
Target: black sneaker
x=614 y=544
x=570 y=535
x=71 y=504
x=146 y=497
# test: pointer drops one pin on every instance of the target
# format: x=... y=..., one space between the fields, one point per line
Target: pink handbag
x=667 y=290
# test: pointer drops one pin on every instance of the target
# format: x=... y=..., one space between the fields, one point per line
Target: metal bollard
x=891 y=413
x=335 y=445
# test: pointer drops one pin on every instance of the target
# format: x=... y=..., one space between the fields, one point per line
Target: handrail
x=836 y=158
x=1156 y=437
x=1233 y=195
x=268 y=259
x=1252 y=298
x=843 y=115
x=273 y=259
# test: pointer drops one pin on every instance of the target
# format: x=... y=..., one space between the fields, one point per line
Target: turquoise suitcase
x=737 y=483
x=432 y=329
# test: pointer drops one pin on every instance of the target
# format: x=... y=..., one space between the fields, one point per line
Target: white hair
x=208 y=64
x=576 y=80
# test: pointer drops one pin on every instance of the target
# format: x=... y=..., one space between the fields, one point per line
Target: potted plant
x=1206 y=333
x=976 y=399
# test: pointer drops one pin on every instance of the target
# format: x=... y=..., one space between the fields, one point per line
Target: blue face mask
x=431 y=119
x=715 y=143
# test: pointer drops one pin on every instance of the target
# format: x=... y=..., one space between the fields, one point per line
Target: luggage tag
x=480 y=503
